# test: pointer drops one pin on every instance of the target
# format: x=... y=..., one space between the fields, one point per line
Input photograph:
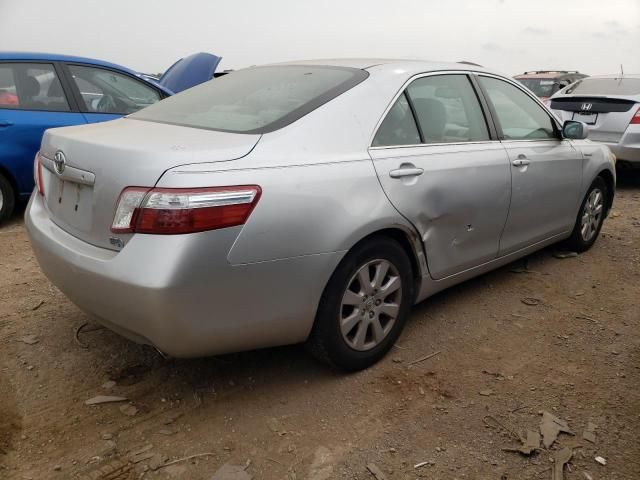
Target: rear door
x=546 y=170
x=104 y=94
x=440 y=167
x=31 y=100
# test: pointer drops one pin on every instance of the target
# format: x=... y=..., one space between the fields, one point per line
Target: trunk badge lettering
x=116 y=242
x=586 y=107
x=59 y=162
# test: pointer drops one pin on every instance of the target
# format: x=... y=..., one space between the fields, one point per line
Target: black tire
x=576 y=242
x=326 y=341
x=7 y=199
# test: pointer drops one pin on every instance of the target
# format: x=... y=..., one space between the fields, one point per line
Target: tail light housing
x=37 y=174
x=168 y=211
x=635 y=120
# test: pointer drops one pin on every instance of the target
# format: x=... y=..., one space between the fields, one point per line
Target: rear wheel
x=590 y=217
x=7 y=199
x=364 y=306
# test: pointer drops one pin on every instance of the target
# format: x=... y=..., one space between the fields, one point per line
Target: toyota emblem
x=59 y=162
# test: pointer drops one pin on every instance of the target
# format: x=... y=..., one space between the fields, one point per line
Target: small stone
x=601 y=460
x=486 y=393
x=397 y=360
x=129 y=410
x=29 y=339
x=232 y=472
x=106 y=436
x=109 y=385
x=57 y=468
x=156 y=461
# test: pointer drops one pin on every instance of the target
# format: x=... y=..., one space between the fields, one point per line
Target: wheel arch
x=410 y=243
x=11 y=179
x=609 y=180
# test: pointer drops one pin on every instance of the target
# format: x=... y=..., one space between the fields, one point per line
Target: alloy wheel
x=370 y=304
x=592 y=214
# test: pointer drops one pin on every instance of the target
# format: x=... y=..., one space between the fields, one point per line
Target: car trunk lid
x=607 y=116
x=102 y=159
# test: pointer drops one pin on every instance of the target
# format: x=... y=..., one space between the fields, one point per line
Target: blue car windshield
x=254 y=100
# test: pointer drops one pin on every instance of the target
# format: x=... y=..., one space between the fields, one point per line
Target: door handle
x=5 y=123
x=521 y=162
x=406 y=171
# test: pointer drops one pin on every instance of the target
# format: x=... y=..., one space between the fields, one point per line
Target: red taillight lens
x=635 y=120
x=37 y=173
x=183 y=210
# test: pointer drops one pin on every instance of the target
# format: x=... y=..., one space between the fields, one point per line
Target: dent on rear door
x=459 y=204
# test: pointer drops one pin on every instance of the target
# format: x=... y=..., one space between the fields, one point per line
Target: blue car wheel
x=7 y=199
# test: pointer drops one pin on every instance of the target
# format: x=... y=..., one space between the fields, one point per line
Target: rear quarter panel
x=596 y=159
x=303 y=210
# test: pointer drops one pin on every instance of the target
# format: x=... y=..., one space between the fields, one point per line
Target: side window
x=398 y=127
x=31 y=86
x=448 y=109
x=106 y=91
x=518 y=115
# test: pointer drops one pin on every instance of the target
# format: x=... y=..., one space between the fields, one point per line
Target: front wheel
x=7 y=199
x=590 y=217
x=364 y=306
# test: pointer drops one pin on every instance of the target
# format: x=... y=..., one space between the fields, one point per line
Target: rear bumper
x=179 y=293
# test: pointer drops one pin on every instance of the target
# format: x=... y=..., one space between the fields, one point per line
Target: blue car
x=40 y=91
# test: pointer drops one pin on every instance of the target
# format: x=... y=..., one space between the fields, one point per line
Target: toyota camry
x=308 y=202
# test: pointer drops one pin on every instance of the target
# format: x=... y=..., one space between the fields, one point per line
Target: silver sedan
x=610 y=106
x=308 y=202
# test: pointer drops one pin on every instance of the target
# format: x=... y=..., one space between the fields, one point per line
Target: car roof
x=617 y=76
x=56 y=57
x=549 y=74
x=380 y=64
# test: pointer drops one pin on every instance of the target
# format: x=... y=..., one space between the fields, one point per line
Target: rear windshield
x=542 y=87
x=606 y=86
x=254 y=100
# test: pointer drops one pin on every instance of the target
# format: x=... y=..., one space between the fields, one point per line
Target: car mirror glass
x=575 y=130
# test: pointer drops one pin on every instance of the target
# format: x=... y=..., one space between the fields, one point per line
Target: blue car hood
x=190 y=71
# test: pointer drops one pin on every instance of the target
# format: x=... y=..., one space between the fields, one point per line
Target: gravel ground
x=280 y=415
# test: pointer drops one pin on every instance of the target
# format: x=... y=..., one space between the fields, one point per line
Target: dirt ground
x=277 y=412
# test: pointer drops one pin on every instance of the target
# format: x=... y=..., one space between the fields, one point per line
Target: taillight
x=635 y=120
x=37 y=174
x=183 y=210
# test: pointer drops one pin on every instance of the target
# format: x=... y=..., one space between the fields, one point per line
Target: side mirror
x=575 y=130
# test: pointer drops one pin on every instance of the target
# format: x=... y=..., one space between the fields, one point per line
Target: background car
x=308 y=202
x=544 y=83
x=610 y=106
x=40 y=91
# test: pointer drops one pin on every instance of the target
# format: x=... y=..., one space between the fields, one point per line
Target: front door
x=440 y=168
x=546 y=170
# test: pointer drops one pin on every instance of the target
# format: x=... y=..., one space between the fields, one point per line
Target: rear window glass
x=541 y=87
x=606 y=86
x=254 y=100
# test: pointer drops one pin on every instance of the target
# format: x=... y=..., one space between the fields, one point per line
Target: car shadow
x=628 y=178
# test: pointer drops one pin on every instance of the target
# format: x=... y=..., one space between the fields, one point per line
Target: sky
x=592 y=36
